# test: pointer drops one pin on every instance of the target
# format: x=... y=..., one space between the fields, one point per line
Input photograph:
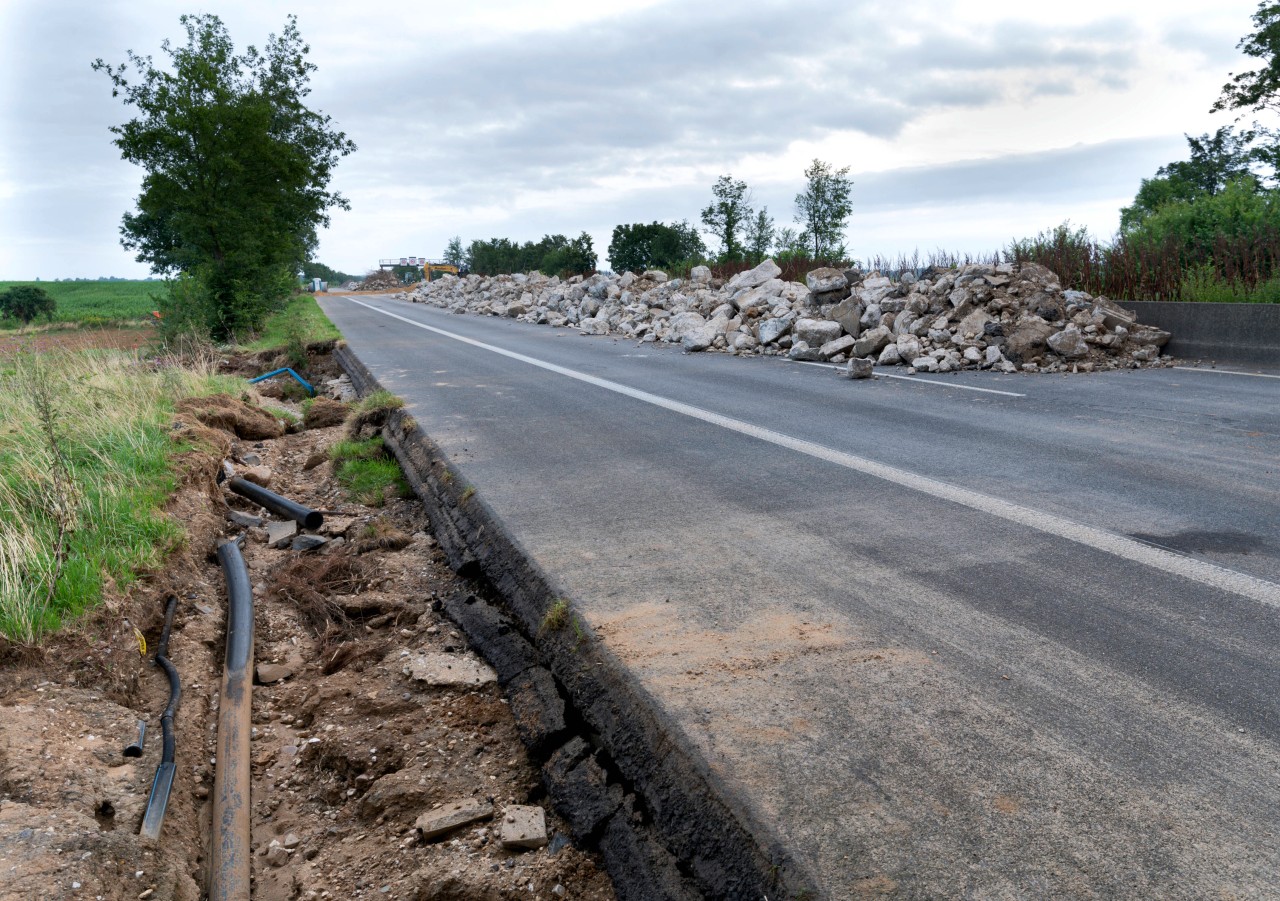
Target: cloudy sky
x=964 y=122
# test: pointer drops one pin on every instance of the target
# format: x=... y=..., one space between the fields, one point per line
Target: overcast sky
x=964 y=122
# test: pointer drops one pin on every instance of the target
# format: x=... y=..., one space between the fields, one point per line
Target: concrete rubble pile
x=1011 y=317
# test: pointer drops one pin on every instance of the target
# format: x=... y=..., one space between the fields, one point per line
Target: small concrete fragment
x=273 y=672
x=281 y=533
x=523 y=827
x=449 y=670
x=258 y=475
x=244 y=520
x=435 y=823
x=308 y=542
x=276 y=854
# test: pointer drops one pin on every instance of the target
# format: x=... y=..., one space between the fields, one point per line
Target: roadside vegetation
x=86 y=467
x=291 y=329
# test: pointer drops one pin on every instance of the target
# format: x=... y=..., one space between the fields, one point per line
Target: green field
x=96 y=303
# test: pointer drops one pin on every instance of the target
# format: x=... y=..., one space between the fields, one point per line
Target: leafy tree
x=575 y=257
x=454 y=255
x=26 y=302
x=553 y=254
x=237 y=170
x=1260 y=88
x=728 y=214
x=1239 y=210
x=823 y=207
x=1216 y=161
x=758 y=235
x=638 y=247
x=318 y=270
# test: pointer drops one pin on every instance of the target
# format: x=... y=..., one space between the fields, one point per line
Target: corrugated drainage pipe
x=303 y=516
x=153 y=819
x=230 y=862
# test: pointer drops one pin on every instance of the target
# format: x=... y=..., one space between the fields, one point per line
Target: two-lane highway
x=948 y=643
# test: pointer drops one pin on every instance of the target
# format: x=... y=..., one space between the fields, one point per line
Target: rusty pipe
x=230 y=862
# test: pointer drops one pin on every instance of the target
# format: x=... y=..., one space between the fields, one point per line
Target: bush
x=26 y=302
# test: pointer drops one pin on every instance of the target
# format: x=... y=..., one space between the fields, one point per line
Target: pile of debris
x=1011 y=317
x=380 y=280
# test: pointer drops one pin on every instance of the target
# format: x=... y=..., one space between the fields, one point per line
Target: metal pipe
x=162 y=785
x=303 y=516
x=230 y=862
x=135 y=748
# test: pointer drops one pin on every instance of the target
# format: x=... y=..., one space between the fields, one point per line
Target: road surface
x=1015 y=642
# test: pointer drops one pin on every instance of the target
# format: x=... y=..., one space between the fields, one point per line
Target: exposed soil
x=42 y=340
x=348 y=750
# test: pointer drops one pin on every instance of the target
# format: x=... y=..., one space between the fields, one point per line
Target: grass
x=97 y=303
x=556 y=617
x=368 y=474
x=300 y=323
x=85 y=471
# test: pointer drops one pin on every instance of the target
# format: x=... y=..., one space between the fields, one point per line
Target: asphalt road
x=949 y=643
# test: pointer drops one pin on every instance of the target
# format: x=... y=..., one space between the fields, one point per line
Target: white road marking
x=1256 y=375
x=908 y=378
x=1199 y=571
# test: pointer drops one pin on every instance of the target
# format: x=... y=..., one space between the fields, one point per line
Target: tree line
x=743 y=234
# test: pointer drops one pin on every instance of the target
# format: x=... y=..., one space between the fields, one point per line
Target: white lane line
x=1256 y=375
x=908 y=378
x=1198 y=571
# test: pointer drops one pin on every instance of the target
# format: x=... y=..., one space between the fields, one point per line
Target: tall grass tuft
x=85 y=471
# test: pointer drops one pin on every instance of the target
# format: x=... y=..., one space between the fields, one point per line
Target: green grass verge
x=96 y=303
x=367 y=472
x=300 y=323
x=86 y=466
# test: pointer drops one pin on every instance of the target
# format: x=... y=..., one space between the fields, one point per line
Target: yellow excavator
x=429 y=267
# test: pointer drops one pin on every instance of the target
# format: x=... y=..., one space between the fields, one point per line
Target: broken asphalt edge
x=687 y=833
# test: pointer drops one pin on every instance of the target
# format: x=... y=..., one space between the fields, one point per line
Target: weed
x=467 y=494
x=379 y=401
x=299 y=324
x=556 y=617
x=368 y=449
x=85 y=470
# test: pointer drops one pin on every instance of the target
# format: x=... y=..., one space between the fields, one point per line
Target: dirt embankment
x=349 y=751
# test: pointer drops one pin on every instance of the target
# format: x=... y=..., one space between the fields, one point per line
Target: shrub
x=26 y=302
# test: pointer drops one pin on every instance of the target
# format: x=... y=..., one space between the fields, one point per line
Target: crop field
x=96 y=303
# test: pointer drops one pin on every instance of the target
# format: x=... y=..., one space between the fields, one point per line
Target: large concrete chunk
x=449 y=670
x=523 y=827
x=435 y=823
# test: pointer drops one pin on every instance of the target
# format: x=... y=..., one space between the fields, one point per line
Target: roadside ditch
x=373 y=722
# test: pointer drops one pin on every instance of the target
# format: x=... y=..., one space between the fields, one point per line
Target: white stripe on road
x=908 y=378
x=1199 y=571
x=1256 y=375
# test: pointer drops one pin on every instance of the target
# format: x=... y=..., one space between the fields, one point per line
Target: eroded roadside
x=351 y=753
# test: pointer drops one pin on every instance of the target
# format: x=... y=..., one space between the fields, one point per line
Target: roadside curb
x=625 y=776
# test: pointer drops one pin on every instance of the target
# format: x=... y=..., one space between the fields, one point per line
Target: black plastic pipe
x=162 y=785
x=230 y=864
x=303 y=516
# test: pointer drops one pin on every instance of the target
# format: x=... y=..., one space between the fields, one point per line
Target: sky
x=964 y=123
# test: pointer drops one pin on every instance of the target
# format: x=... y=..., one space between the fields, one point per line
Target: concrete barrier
x=1225 y=332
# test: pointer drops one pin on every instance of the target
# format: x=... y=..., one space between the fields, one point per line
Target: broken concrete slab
x=523 y=827
x=449 y=670
x=435 y=823
x=281 y=533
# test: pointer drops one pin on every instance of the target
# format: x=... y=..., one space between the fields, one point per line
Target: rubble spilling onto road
x=1011 y=317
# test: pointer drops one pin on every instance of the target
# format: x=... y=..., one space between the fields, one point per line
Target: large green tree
x=728 y=215
x=26 y=302
x=656 y=245
x=758 y=235
x=1258 y=89
x=1216 y=161
x=237 y=170
x=823 y=208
